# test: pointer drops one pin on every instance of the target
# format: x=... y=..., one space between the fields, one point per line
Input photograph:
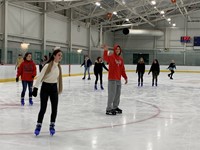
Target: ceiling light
x=173 y=24
x=123 y=2
x=169 y=19
x=127 y=19
x=153 y=2
x=114 y=12
x=24 y=45
x=79 y=50
x=162 y=12
x=98 y=4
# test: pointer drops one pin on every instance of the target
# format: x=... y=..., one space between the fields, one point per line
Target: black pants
x=140 y=77
x=24 y=87
x=48 y=90
x=154 y=77
x=172 y=72
x=98 y=74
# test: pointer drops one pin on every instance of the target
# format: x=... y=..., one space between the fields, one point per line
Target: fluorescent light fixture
x=79 y=50
x=24 y=45
x=162 y=12
x=114 y=12
x=127 y=19
x=123 y=2
x=173 y=24
x=98 y=4
x=169 y=19
x=153 y=2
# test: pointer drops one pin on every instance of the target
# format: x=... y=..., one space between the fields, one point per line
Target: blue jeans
x=87 y=69
x=24 y=87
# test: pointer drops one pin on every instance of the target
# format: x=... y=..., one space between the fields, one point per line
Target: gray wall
x=26 y=25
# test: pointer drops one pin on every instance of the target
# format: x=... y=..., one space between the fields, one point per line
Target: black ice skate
x=102 y=87
x=52 y=129
x=117 y=110
x=110 y=112
x=95 y=87
x=37 y=129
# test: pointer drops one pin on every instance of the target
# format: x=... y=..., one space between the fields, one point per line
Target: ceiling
x=139 y=12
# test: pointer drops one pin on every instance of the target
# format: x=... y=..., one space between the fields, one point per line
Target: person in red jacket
x=27 y=71
x=116 y=70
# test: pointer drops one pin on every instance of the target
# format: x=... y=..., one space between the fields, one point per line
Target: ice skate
x=22 y=102
x=95 y=87
x=110 y=112
x=102 y=87
x=30 y=101
x=37 y=129
x=117 y=110
x=52 y=129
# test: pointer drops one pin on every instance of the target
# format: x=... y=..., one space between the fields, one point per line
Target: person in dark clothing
x=155 y=69
x=172 y=67
x=87 y=63
x=43 y=62
x=98 y=69
x=140 y=70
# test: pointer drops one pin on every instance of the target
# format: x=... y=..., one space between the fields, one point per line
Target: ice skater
x=155 y=69
x=27 y=71
x=19 y=61
x=87 y=63
x=172 y=67
x=51 y=78
x=116 y=71
x=98 y=71
x=140 y=69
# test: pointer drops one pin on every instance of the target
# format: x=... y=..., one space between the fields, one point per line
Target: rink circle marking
x=100 y=127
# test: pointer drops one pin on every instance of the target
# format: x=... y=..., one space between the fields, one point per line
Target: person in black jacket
x=98 y=69
x=155 y=69
x=140 y=70
x=171 y=67
x=87 y=63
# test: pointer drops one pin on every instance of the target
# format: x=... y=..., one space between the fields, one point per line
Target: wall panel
x=56 y=30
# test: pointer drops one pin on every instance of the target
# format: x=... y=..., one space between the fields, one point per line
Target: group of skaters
x=50 y=79
x=155 y=69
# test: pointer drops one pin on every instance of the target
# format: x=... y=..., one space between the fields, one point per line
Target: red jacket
x=27 y=70
x=116 y=65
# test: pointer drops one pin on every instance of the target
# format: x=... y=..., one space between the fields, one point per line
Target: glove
x=33 y=77
x=17 y=79
x=34 y=93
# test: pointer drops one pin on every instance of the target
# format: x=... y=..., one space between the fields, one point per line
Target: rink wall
x=8 y=72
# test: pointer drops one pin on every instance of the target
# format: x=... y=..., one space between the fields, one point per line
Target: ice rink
x=166 y=117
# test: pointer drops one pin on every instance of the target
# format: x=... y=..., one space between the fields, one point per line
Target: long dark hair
x=156 y=61
x=50 y=62
x=27 y=55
